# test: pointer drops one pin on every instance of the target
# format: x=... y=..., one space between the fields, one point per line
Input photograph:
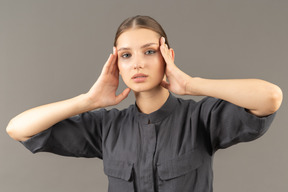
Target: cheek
x=123 y=70
x=161 y=64
x=121 y=67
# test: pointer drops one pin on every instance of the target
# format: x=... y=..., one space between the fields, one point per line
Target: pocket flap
x=180 y=166
x=118 y=169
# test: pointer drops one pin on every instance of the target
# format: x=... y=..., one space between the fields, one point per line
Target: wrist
x=194 y=86
x=86 y=103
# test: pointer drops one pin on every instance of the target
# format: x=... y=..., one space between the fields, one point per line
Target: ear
x=172 y=54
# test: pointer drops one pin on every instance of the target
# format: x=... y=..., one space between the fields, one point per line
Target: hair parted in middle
x=138 y=22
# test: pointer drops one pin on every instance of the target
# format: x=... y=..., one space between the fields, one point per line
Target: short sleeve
x=78 y=136
x=228 y=124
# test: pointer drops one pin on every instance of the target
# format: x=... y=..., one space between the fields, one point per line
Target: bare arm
x=102 y=94
x=258 y=96
x=38 y=119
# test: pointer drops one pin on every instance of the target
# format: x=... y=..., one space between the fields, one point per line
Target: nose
x=139 y=62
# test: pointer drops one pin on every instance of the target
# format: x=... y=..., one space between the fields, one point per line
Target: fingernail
x=113 y=50
x=163 y=39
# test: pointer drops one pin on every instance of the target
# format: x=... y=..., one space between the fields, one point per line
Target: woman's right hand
x=103 y=92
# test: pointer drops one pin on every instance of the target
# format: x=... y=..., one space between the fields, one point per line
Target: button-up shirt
x=169 y=150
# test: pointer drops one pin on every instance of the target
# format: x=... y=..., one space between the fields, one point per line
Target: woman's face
x=140 y=61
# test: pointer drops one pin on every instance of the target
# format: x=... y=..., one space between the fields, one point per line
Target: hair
x=138 y=22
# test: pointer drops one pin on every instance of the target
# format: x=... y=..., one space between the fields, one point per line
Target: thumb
x=123 y=95
x=165 y=85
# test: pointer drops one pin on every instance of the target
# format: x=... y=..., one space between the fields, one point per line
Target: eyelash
x=126 y=55
x=153 y=51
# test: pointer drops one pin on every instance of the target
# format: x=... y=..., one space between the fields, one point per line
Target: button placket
x=148 y=150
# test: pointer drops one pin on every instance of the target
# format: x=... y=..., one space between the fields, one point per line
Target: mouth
x=139 y=77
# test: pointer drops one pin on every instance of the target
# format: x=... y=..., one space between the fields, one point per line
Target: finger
x=107 y=64
x=165 y=85
x=123 y=95
x=111 y=63
x=114 y=50
x=168 y=60
x=115 y=61
x=162 y=41
x=166 y=53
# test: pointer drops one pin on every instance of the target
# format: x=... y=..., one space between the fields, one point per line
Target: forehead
x=137 y=37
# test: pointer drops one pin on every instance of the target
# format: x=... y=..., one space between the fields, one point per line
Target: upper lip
x=139 y=75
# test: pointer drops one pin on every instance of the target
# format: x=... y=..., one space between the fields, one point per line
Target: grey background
x=53 y=50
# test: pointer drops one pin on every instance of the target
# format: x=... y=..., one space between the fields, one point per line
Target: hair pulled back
x=138 y=22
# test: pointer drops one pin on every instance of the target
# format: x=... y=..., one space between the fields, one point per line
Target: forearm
x=259 y=97
x=38 y=119
x=100 y=95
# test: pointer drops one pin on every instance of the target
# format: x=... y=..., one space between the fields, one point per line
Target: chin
x=143 y=88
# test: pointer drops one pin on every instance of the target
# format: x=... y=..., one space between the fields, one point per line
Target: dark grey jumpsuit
x=169 y=150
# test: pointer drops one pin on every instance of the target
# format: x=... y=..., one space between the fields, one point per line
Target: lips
x=139 y=75
x=139 y=78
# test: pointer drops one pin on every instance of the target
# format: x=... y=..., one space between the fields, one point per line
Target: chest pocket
x=179 y=174
x=120 y=176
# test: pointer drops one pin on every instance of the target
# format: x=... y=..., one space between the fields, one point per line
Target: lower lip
x=139 y=79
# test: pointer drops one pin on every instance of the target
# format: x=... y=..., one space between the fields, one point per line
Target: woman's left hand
x=260 y=97
x=178 y=81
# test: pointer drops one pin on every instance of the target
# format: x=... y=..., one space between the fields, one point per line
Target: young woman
x=161 y=143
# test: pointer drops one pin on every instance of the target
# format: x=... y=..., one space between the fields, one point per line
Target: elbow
x=275 y=99
x=12 y=131
x=270 y=102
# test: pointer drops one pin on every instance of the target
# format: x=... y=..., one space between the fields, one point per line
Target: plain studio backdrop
x=55 y=49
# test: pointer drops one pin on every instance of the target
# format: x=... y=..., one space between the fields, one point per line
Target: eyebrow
x=143 y=46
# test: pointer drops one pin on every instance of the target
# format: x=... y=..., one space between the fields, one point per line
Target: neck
x=151 y=101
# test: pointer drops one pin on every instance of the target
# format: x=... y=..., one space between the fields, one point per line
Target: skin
x=259 y=97
x=155 y=60
x=142 y=55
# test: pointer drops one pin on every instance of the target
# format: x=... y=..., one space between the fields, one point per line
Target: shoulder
x=204 y=106
x=183 y=106
x=194 y=104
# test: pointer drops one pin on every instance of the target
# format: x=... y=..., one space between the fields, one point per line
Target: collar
x=167 y=108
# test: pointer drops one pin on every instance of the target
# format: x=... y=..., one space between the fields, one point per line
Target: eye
x=125 y=55
x=149 y=52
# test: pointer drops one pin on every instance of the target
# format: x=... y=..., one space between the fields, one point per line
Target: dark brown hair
x=140 y=21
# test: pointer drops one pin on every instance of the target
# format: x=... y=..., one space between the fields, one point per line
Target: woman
x=162 y=143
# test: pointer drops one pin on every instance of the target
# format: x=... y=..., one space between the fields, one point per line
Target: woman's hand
x=259 y=97
x=178 y=81
x=103 y=92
